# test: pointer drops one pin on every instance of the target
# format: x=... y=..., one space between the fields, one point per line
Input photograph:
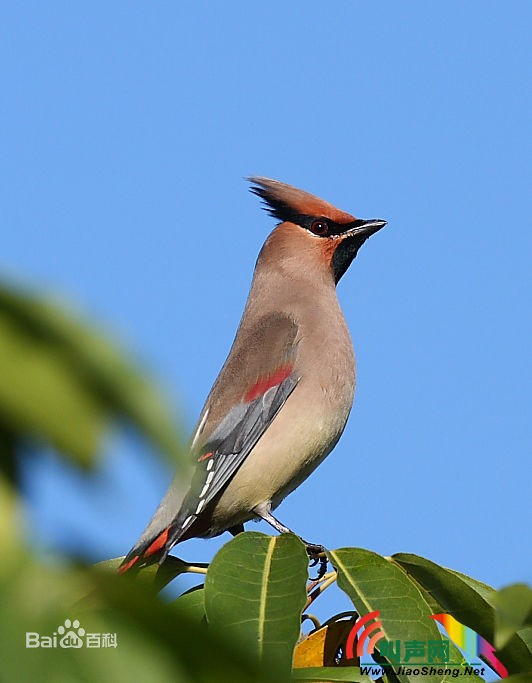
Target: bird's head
x=311 y=226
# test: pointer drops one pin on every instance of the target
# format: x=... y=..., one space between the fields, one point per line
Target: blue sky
x=126 y=131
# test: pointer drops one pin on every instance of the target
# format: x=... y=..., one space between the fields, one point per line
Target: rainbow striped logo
x=365 y=629
x=470 y=642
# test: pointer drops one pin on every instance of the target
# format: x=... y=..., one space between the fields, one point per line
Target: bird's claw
x=317 y=556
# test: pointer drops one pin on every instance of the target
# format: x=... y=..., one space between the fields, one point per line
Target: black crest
x=274 y=206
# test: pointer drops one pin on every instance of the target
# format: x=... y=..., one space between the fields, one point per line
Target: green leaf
x=331 y=673
x=483 y=589
x=463 y=677
x=455 y=655
x=158 y=576
x=374 y=583
x=520 y=678
x=191 y=604
x=513 y=609
x=255 y=592
x=62 y=381
x=471 y=603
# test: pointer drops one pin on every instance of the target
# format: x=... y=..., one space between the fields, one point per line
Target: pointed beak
x=364 y=227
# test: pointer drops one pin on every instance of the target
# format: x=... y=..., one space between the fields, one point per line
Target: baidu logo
x=71 y=634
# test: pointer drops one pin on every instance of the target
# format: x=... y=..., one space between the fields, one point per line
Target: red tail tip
x=124 y=567
x=159 y=543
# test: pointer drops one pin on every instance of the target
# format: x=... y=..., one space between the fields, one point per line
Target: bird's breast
x=309 y=424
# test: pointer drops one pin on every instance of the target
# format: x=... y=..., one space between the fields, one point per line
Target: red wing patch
x=265 y=383
x=205 y=456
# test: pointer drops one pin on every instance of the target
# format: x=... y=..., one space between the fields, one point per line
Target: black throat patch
x=345 y=253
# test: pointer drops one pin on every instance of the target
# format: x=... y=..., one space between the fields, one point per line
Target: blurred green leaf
x=470 y=602
x=10 y=532
x=62 y=382
x=40 y=396
x=255 y=592
x=154 y=641
x=8 y=453
x=513 y=610
x=374 y=583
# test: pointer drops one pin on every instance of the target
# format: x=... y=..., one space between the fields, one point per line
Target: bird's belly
x=300 y=437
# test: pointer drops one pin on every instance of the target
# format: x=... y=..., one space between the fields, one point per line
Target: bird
x=285 y=391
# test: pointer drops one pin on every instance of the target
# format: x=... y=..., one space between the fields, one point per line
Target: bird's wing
x=255 y=382
x=232 y=442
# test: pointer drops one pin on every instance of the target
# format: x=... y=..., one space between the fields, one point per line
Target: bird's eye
x=319 y=228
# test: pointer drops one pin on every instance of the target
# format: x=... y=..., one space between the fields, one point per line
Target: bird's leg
x=264 y=512
x=235 y=530
x=316 y=551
